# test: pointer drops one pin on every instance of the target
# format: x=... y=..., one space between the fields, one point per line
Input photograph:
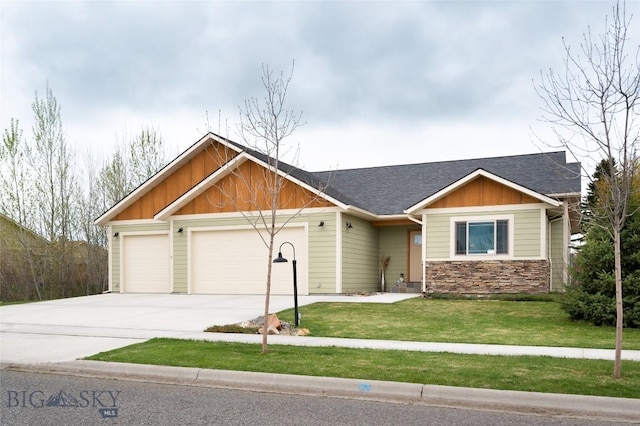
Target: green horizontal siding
x=359 y=256
x=526 y=233
x=438 y=239
x=322 y=252
x=556 y=255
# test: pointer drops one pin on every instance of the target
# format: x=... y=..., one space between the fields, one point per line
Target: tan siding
x=360 y=256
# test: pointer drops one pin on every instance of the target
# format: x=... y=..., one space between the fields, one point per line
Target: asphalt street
x=95 y=401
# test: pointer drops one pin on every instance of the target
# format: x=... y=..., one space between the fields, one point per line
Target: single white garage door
x=235 y=262
x=145 y=263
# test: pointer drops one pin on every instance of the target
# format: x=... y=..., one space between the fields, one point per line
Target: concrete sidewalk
x=457 y=348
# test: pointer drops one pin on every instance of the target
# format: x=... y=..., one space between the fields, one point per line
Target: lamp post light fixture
x=281 y=259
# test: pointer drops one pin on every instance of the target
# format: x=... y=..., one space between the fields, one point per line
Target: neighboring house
x=15 y=239
x=493 y=225
x=21 y=251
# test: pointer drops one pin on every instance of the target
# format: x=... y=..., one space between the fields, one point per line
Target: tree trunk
x=265 y=331
x=619 y=309
x=272 y=237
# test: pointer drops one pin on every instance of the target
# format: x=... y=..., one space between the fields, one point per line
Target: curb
x=611 y=409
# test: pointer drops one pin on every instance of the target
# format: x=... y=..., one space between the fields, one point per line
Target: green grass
x=524 y=373
x=533 y=323
x=20 y=302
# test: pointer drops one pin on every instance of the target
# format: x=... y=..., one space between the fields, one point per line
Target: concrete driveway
x=68 y=329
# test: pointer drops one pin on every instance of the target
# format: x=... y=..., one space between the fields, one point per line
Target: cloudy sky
x=377 y=82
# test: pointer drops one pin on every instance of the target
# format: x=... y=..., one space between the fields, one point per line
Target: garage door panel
x=145 y=267
x=236 y=261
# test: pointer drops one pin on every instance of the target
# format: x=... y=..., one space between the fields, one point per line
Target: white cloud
x=379 y=83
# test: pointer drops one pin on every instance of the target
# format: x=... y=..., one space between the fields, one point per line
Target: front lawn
x=530 y=323
x=523 y=373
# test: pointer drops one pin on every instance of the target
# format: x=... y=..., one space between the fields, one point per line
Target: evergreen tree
x=592 y=296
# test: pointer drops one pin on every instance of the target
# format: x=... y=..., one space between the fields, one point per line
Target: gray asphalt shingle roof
x=392 y=189
x=312 y=179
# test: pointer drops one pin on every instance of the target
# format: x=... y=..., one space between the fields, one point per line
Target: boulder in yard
x=273 y=325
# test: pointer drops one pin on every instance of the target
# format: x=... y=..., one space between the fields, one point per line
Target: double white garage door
x=227 y=261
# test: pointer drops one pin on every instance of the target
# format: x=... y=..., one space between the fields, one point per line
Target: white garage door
x=145 y=267
x=235 y=262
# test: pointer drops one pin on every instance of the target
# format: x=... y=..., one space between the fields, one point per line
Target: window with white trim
x=481 y=237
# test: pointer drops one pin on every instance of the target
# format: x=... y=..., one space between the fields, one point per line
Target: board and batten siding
x=556 y=255
x=321 y=247
x=526 y=229
x=394 y=243
x=115 y=245
x=359 y=256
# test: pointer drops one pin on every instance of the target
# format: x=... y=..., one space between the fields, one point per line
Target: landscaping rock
x=284 y=329
x=273 y=325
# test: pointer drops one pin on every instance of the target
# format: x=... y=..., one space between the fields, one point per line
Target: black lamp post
x=281 y=259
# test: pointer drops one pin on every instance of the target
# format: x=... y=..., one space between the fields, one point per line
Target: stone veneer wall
x=488 y=276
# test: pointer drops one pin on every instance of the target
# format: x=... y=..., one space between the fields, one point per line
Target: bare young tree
x=146 y=155
x=21 y=274
x=56 y=187
x=593 y=107
x=93 y=251
x=113 y=179
x=51 y=159
x=264 y=126
x=134 y=161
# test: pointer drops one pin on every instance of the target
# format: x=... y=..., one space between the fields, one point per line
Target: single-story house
x=491 y=225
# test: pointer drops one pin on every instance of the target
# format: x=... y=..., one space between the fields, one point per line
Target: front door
x=415 y=256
